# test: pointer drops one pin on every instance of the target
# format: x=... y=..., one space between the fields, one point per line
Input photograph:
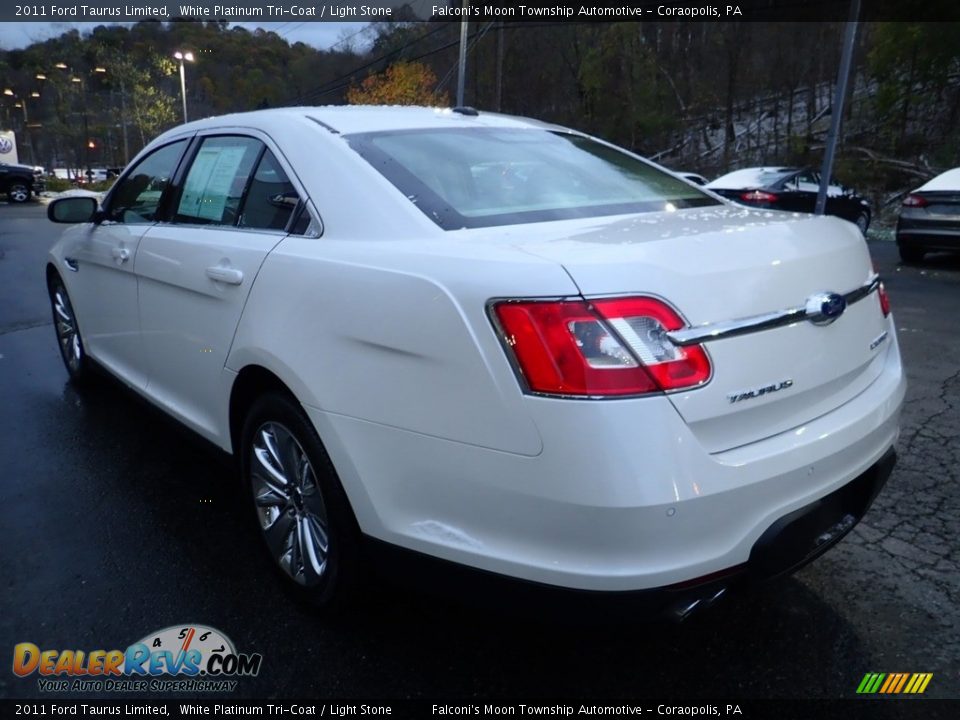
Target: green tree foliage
x=915 y=67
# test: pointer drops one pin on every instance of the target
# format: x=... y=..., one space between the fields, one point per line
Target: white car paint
x=380 y=328
x=949 y=180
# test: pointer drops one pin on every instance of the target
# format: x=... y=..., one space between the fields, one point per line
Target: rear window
x=751 y=178
x=485 y=177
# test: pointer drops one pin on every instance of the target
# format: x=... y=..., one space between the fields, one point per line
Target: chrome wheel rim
x=290 y=507
x=66 y=324
x=19 y=193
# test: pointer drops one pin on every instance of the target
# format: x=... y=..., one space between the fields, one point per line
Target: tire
x=18 y=192
x=910 y=255
x=69 y=339
x=863 y=222
x=301 y=510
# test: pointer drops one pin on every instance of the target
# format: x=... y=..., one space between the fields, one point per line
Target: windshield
x=492 y=176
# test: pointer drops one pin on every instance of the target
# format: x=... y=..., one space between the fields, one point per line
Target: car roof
x=950 y=180
x=752 y=177
x=347 y=119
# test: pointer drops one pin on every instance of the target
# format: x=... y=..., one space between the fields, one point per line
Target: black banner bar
x=851 y=709
x=109 y=11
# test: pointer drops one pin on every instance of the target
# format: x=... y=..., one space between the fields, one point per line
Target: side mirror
x=72 y=210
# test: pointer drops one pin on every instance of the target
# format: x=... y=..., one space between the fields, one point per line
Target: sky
x=322 y=35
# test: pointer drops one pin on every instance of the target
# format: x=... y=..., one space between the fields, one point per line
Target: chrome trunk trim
x=765 y=321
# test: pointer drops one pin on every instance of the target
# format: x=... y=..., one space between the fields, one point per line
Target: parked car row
x=929 y=218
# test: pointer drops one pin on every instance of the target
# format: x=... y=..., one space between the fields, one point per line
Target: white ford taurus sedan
x=487 y=340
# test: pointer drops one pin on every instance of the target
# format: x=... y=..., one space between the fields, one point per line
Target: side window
x=136 y=199
x=808 y=181
x=213 y=188
x=271 y=198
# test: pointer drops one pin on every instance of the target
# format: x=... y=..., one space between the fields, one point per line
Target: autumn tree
x=403 y=83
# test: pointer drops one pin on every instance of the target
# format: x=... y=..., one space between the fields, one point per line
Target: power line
x=350 y=36
x=338 y=83
x=470 y=46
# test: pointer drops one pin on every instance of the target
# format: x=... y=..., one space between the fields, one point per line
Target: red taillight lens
x=759 y=196
x=917 y=201
x=882 y=294
x=609 y=347
x=884 y=299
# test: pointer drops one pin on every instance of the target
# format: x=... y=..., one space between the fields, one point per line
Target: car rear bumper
x=622 y=497
x=929 y=234
x=787 y=545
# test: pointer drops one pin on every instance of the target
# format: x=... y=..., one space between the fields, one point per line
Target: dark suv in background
x=20 y=182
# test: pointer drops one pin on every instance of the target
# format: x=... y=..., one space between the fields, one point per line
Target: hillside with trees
x=699 y=96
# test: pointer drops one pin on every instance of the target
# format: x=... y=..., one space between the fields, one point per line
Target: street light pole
x=181 y=56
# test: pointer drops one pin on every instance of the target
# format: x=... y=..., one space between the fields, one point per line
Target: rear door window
x=214 y=187
x=271 y=197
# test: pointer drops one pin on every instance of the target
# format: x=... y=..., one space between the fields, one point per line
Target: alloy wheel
x=290 y=507
x=65 y=322
x=18 y=193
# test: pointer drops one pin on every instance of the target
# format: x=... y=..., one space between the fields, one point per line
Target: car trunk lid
x=722 y=264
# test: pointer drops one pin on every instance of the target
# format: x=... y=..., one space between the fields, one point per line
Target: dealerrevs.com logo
x=187 y=658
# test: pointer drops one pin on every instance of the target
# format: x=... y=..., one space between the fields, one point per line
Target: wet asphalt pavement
x=114 y=523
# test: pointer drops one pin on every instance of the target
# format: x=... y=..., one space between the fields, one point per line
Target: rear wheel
x=301 y=510
x=68 y=332
x=863 y=222
x=910 y=254
x=18 y=192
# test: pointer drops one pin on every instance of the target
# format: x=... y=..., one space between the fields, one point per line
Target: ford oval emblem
x=823 y=308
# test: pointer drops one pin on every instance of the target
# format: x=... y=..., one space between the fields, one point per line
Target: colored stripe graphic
x=894 y=683
x=903 y=680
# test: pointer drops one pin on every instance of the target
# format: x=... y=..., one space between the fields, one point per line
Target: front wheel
x=68 y=332
x=302 y=511
x=18 y=193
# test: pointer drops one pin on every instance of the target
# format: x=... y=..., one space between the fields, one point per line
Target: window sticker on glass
x=214 y=185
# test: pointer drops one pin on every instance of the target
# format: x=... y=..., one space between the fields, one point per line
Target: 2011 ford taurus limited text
x=489 y=341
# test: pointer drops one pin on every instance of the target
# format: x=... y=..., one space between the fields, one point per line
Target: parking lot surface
x=115 y=523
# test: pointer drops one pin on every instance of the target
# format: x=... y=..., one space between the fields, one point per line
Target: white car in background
x=490 y=341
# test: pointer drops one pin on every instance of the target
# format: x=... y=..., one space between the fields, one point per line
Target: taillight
x=761 y=196
x=609 y=347
x=882 y=293
x=884 y=299
x=917 y=201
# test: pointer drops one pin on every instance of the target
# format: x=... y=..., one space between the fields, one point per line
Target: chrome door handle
x=230 y=276
x=120 y=254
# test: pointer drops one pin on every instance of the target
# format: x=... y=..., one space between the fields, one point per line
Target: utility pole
x=462 y=63
x=836 y=112
x=500 y=67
